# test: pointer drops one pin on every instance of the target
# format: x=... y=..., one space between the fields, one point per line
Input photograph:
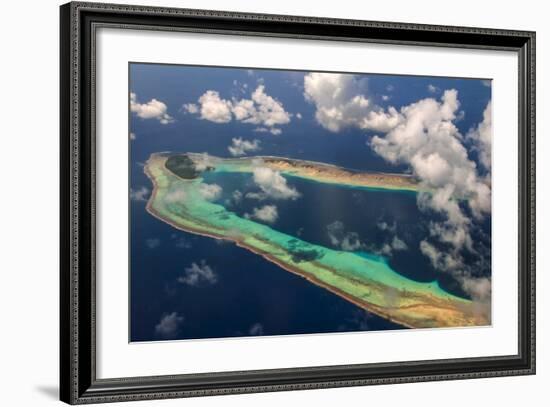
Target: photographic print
x=283 y=202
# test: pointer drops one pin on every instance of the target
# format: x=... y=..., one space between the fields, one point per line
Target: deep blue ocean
x=251 y=295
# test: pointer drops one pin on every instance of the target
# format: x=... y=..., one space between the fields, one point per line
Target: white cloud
x=429 y=142
x=340 y=102
x=213 y=108
x=140 y=195
x=240 y=146
x=175 y=196
x=423 y=136
x=479 y=288
x=339 y=237
x=261 y=109
x=236 y=198
x=256 y=330
x=385 y=98
x=152 y=243
x=154 y=109
x=191 y=108
x=398 y=244
x=482 y=136
x=210 y=192
x=433 y=88
x=132 y=136
x=274 y=130
x=203 y=161
x=272 y=184
x=267 y=213
x=382 y=225
x=298 y=115
x=169 y=325
x=198 y=273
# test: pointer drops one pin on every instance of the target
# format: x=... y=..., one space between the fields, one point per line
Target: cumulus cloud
x=298 y=115
x=422 y=136
x=260 y=110
x=341 y=102
x=428 y=142
x=197 y=274
x=132 y=136
x=190 y=108
x=139 y=195
x=239 y=146
x=203 y=161
x=272 y=185
x=154 y=109
x=175 y=196
x=267 y=213
x=169 y=325
x=382 y=225
x=274 y=130
x=343 y=239
x=482 y=137
x=478 y=287
x=433 y=88
x=210 y=192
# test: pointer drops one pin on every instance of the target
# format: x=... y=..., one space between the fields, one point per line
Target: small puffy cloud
x=433 y=88
x=175 y=196
x=382 y=225
x=274 y=130
x=256 y=330
x=132 y=136
x=235 y=199
x=210 y=192
x=267 y=213
x=152 y=243
x=385 y=98
x=261 y=109
x=479 y=288
x=139 y=195
x=398 y=244
x=203 y=161
x=298 y=115
x=197 y=274
x=341 y=238
x=239 y=146
x=154 y=109
x=213 y=108
x=272 y=184
x=169 y=325
x=190 y=108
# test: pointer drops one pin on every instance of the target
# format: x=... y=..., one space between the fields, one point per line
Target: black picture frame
x=78 y=382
